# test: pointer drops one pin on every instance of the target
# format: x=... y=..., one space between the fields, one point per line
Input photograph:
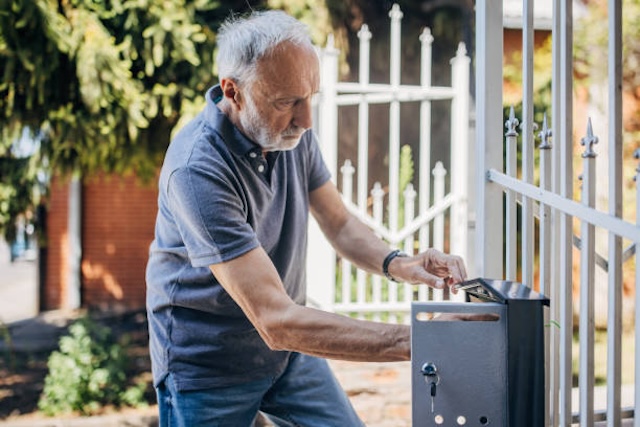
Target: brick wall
x=117 y=228
x=54 y=290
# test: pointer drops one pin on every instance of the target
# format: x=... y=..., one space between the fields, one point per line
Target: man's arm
x=356 y=242
x=254 y=284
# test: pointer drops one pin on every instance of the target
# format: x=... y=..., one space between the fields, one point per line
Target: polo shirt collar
x=235 y=140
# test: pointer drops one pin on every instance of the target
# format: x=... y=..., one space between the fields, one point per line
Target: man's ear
x=231 y=92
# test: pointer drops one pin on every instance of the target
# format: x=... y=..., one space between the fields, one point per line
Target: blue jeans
x=306 y=394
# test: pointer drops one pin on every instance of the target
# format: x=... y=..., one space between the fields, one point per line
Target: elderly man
x=230 y=333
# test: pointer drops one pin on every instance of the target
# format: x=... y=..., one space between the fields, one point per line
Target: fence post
x=424 y=160
x=511 y=232
x=563 y=85
x=377 y=194
x=321 y=258
x=489 y=46
x=439 y=173
x=614 y=312
x=636 y=405
x=363 y=120
x=587 y=270
x=347 y=192
x=460 y=153
x=394 y=119
x=409 y=213
x=551 y=367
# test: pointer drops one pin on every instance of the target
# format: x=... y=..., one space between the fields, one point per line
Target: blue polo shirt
x=218 y=199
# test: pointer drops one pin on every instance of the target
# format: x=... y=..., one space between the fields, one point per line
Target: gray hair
x=242 y=41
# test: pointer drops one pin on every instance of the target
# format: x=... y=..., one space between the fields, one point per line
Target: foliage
x=542 y=67
x=98 y=77
x=101 y=83
x=18 y=181
x=591 y=42
x=87 y=373
x=313 y=13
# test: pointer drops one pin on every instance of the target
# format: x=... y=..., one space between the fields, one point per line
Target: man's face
x=276 y=109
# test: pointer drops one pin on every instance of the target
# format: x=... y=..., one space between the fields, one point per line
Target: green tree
x=99 y=85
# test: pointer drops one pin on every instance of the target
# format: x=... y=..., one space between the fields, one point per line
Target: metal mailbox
x=487 y=370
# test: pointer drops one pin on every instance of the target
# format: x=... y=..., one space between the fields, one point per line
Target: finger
x=451 y=284
x=435 y=281
x=457 y=270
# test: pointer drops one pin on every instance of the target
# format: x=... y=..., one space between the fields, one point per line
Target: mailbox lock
x=429 y=370
x=431 y=377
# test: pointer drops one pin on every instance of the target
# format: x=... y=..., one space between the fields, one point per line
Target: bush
x=87 y=373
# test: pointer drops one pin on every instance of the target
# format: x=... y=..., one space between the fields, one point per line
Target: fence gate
x=546 y=200
x=380 y=207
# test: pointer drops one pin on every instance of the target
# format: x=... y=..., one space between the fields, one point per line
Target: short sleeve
x=209 y=215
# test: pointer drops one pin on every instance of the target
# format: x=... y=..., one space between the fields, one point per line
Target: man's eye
x=285 y=104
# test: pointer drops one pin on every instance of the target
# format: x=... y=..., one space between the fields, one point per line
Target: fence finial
x=462 y=49
x=347 y=169
x=426 y=37
x=330 y=42
x=545 y=134
x=512 y=123
x=364 y=33
x=395 y=12
x=588 y=141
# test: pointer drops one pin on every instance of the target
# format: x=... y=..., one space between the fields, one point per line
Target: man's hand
x=431 y=267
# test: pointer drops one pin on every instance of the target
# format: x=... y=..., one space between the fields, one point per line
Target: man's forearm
x=334 y=336
x=356 y=242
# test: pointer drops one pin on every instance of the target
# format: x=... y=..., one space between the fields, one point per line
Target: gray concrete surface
x=18 y=288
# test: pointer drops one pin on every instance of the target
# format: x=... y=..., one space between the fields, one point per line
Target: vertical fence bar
x=545 y=253
x=363 y=120
x=394 y=119
x=439 y=172
x=587 y=289
x=459 y=151
x=377 y=194
x=636 y=418
x=347 y=192
x=321 y=264
x=424 y=160
x=489 y=48
x=556 y=218
x=527 y=143
x=409 y=213
x=363 y=146
x=614 y=319
x=328 y=127
x=511 y=234
x=545 y=211
x=565 y=142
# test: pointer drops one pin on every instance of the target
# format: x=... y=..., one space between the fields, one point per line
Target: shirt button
x=260 y=168
x=253 y=154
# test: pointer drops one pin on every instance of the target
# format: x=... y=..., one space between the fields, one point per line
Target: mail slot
x=486 y=370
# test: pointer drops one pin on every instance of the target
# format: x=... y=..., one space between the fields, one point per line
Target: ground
x=380 y=392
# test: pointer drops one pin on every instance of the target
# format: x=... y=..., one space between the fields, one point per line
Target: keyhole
x=429 y=370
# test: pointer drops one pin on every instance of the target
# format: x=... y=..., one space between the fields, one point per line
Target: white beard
x=257 y=130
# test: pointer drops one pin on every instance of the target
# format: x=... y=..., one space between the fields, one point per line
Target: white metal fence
x=379 y=207
x=549 y=203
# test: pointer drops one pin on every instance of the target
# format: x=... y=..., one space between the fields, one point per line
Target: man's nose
x=302 y=115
